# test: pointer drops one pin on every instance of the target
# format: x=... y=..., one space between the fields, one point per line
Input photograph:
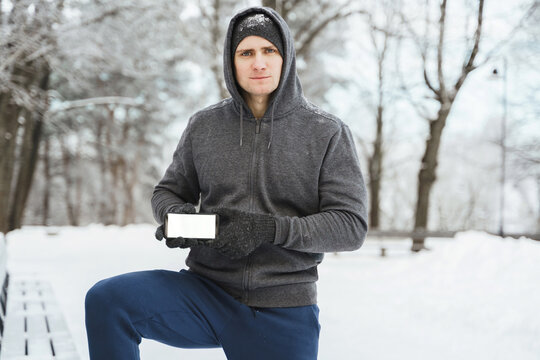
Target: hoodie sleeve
x=180 y=183
x=341 y=223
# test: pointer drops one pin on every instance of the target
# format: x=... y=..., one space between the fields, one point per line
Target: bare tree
x=212 y=13
x=45 y=158
x=88 y=67
x=30 y=55
x=308 y=19
x=523 y=145
x=381 y=21
x=316 y=24
x=73 y=182
x=24 y=79
x=444 y=92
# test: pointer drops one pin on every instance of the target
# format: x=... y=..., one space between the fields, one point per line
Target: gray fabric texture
x=309 y=180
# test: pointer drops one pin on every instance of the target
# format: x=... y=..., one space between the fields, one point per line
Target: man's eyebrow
x=252 y=49
x=242 y=50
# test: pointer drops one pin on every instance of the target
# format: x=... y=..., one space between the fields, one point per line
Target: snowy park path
x=474 y=297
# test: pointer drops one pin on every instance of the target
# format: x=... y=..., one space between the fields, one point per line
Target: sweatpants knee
x=96 y=297
x=111 y=334
x=104 y=297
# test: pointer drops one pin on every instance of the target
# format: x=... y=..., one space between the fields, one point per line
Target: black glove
x=240 y=232
x=180 y=242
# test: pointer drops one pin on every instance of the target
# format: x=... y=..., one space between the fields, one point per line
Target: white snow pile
x=472 y=297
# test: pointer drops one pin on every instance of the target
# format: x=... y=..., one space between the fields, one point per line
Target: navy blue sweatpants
x=185 y=310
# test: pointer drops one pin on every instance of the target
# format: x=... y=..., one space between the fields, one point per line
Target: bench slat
x=34 y=326
x=13 y=345
x=57 y=323
x=39 y=345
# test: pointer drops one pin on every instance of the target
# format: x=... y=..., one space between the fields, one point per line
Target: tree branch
x=440 y=49
x=105 y=100
x=469 y=66
x=304 y=45
x=422 y=49
x=428 y=81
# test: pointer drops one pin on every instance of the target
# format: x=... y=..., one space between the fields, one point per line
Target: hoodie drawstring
x=272 y=125
x=241 y=124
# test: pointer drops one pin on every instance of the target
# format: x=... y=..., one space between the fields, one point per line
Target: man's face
x=258 y=66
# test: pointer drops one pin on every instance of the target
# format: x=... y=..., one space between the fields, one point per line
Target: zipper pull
x=258 y=126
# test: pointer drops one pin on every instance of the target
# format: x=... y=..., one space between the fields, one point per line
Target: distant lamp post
x=496 y=74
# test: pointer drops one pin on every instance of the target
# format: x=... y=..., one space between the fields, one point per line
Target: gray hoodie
x=297 y=163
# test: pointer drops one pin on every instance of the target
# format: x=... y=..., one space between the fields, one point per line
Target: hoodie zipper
x=247 y=268
x=245 y=282
x=254 y=163
x=258 y=126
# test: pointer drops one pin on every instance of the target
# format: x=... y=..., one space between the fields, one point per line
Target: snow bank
x=473 y=297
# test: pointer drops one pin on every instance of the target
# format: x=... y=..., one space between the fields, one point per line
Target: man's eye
x=271 y=51
x=245 y=53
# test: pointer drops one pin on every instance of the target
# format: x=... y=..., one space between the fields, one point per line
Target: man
x=285 y=180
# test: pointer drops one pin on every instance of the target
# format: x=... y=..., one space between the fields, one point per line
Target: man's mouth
x=259 y=77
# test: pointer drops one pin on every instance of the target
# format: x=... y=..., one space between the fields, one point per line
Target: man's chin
x=260 y=92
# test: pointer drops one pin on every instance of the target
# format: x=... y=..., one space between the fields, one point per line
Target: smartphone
x=195 y=226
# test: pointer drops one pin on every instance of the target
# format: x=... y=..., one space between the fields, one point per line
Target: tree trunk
x=375 y=173
x=278 y=5
x=270 y=3
x=445 y=96
x=27 y=164
x=13 y=196
x=100 y=151
x=130 y=176
x=29 y=151
x=112 y=166
x=78 y=181
x=427 y=174
x=67 y=180
x=9 y=126
x=128 y=183
x=67 y=162
x=47 y=180
x=215 y=48
x=538 y=198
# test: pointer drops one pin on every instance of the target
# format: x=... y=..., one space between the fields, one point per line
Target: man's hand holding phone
x=178 y=241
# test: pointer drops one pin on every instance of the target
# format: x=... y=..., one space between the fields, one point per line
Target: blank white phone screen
x=198 y=226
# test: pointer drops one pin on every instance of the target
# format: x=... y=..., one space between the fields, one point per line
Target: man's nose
x=260 y=62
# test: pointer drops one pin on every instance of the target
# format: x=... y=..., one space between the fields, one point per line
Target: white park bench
x=32 y=326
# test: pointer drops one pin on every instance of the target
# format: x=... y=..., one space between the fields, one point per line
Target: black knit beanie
x=258 y=25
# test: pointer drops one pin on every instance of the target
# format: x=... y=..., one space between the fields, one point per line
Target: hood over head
x=289 y=91
x=258 y=25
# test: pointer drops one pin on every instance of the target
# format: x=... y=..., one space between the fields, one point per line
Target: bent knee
x=97 y=296
x=105 y=294
x=117 y=292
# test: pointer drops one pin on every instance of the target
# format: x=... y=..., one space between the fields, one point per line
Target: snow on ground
x=473 y=297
